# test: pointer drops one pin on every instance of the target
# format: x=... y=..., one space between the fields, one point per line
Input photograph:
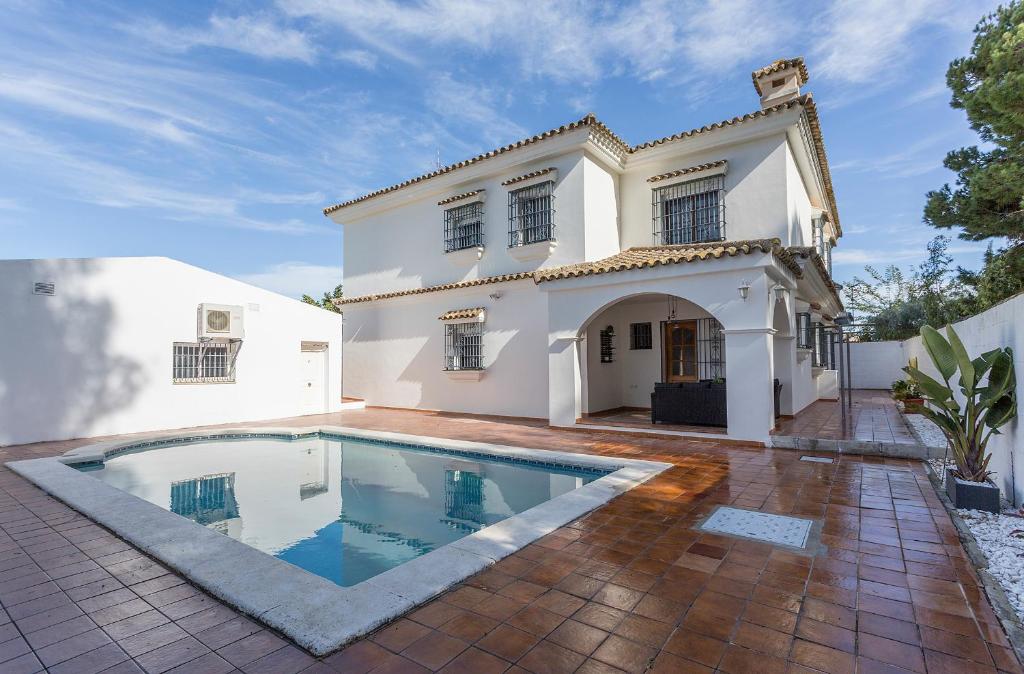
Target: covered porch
x=697 y=348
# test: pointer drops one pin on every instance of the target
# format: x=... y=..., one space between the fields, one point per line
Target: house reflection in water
x=464 y=494
x=209 y=499
x=316 y=474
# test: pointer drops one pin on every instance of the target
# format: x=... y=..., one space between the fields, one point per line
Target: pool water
x=343 y=509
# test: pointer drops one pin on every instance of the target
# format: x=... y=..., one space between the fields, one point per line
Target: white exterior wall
x=403 y=247
x=876 y=365
x=95 y=358
x=394 y=352
x=755 y=189
x=798 y=231
x=600 y=211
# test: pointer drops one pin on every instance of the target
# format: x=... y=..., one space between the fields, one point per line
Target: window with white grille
x=201 y=363
x=463 y=227
x=531 y=214
x=690 y=212
x=463 y=346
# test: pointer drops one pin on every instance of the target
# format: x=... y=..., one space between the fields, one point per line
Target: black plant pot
x=972 y=495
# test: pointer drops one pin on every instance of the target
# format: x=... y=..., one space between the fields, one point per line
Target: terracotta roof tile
x=776 y=66
x=617 y=145
x=457 y=314
x=591 y=121
x=531 y=174
x=653 y=256
x=459 y=197
x=688 y=170
x=503 y=278
x=632 y=258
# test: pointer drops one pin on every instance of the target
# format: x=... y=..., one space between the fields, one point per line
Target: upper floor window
x=464 y=227
x=463 y=346
x=821 y=244
x=531 y=214
x=690 y=212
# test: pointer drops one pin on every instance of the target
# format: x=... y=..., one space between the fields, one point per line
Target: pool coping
x=317 y=614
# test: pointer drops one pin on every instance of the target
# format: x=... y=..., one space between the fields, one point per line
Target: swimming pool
x=326 y=533
x=345 y=509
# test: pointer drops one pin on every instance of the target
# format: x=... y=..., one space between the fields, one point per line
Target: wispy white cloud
x=295 y=279
x=564 y=42
x=256 y=35
x=872 y=41
x=916 y=158
x=70 y=173
x=361 y=58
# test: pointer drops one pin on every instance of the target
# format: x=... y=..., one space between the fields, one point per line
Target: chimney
x=780 y=81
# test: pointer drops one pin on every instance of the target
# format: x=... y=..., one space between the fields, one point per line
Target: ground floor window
x=463 y=346
x=204 y=363
x=640 y=337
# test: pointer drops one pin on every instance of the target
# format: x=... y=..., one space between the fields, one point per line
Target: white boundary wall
x=1000 y=326
x=96 y=357
x=876 y=365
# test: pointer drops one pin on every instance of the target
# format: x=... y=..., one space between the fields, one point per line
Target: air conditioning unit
x=220 y=322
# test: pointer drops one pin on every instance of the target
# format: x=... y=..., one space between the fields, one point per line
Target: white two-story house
x=570 y=273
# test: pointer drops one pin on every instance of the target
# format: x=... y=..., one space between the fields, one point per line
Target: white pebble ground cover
x=1003 y=551
x=926 y=430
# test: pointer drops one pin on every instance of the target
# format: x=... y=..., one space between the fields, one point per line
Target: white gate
x=313 y=377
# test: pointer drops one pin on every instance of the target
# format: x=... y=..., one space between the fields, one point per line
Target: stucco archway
x=623 y=354
x=746 y=317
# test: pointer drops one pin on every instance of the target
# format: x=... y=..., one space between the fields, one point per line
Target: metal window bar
x=804 y=338
x=531 y=214
x=710 y=349
x=817 y=345
x=197 y=363
x=690 y=212
x=463 y=346
x=641 y=337
x=463 y=227
x=607 y=345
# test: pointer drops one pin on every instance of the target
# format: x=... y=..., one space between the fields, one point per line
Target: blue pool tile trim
x=589 y=471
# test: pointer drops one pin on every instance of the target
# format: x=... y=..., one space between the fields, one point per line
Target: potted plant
x=909 y=393
x=987 y=386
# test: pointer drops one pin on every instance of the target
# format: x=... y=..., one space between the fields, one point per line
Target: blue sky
x=216 y=132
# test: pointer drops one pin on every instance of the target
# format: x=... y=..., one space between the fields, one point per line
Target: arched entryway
x=653 y=353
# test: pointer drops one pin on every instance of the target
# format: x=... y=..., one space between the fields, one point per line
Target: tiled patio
x=631 y=587
x=874 y=417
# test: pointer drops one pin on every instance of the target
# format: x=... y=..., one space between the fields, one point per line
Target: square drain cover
x=775 y=529
x=817 y=459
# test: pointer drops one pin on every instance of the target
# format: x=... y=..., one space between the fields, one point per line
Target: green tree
x=896 y=304
x=327 y=301
x=988 y=200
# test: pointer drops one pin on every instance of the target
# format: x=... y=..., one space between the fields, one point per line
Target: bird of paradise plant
x=988 y=387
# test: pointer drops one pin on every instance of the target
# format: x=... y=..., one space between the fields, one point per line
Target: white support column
x=564 y=381
x=749 y=378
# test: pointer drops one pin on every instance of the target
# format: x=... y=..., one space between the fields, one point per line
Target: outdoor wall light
x=780 y=293
x=496 y=296
x=744 y=289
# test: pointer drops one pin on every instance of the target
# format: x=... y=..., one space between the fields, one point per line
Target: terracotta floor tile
x=758 y=638
x=434 y=650
x=739 y=660
x=578 y=636
x=507 y=642
x=627 y=655
x=616 y=584
x=549 y=658
x=475 y=661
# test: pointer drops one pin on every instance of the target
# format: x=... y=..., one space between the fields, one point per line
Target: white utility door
x=313 y=371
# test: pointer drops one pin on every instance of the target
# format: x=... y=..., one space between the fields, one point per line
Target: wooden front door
x=680 y=343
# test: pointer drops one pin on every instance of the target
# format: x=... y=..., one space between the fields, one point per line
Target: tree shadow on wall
x=62 y=376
